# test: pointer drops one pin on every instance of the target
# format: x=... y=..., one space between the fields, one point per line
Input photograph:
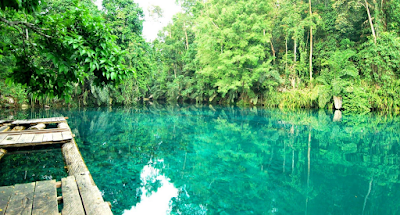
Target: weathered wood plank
x=22 y=199
x=2 y=152
x=34 y=151
x=67 y=135
x=38 y=138
x=32 y=144
x=43 y=131
x=10 y=139
x=73 y=158
x=2 y=137
x=32 y=140
x=47 y=137
x=26 y=138
x=42 y=120
x=71 y=198
x=45 y=198
x=5 y=121
x=5 y=195
x=91 y=197
x=57 y=136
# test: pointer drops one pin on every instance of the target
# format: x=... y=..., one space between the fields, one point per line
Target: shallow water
x=227 y=160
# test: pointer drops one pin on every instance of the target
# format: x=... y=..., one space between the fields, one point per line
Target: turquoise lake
x=188 y=159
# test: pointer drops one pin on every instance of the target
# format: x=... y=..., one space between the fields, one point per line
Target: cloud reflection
x=154 y=201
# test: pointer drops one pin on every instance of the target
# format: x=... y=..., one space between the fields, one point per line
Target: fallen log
x=62 y=125
x=2 y=152
x=39 y=126
x=18 y=128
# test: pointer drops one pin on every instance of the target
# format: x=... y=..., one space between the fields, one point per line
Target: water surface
x=226 y=160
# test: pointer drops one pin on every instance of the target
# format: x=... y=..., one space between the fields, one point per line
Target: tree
x=233 y=49
x=54 y=51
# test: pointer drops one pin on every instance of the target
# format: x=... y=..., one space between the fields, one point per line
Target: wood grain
x=71 y=198
x=22 y=199
x=91 y=197
x=10 y=139
x=45 y=198
x=5 y=195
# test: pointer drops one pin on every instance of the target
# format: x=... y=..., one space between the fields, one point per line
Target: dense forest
x=275 y=53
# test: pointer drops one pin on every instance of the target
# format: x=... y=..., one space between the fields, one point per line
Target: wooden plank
x=32 y=144
x=5 y=195
x=71 y=198
x=42 y=120
x=34 y=151
x=10 y=139
x=26 y=138
x=22 y=199
x=91 y=197
x=45 y=198
x=38 y=138
x=47 y=137
x=2 y=137
x=5 y=121
x=52 y=130
x=73 y=158
x=57 y=136
x=67 y=135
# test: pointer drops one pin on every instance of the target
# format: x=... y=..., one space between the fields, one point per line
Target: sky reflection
x=154 y=202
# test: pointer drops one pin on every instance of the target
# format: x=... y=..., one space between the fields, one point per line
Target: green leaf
x=113 y=75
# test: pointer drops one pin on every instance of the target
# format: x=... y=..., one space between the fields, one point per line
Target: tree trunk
x=273 y=50
x=286 y=55
x=294 y=63
x=295 y=52
x=187 y=41
x=311 y=45
x=370 y=21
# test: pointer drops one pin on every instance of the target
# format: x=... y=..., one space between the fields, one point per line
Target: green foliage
x=244 y=52
x=28 y=6
x=357 y=98
x=255 y=52
x=71 y=43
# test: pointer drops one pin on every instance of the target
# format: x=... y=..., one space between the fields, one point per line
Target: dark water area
x=187 y=159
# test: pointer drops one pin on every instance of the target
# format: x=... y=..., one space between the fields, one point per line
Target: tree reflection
x=229 y=160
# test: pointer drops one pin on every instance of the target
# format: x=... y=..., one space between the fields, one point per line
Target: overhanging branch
x=27 y=25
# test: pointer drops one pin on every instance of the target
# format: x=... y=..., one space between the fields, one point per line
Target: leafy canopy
x=55 y=48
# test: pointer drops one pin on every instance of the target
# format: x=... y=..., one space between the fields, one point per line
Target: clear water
x=227 y=160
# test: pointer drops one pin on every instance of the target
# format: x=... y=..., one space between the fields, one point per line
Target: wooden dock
x=80 y=194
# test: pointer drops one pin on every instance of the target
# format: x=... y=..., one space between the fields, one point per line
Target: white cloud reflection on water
x=155 y=202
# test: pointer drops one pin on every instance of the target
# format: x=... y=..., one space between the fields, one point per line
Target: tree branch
x=27 y=25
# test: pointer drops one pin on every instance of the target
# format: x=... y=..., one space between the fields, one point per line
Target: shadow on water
x=226 y=160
